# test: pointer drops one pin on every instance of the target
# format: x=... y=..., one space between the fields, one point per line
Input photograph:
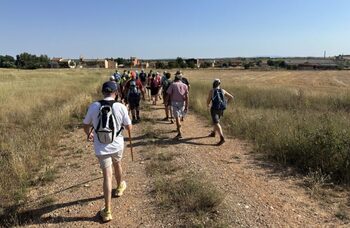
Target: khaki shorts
x=107 y=160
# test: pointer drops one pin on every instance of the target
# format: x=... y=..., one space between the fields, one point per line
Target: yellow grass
x=36 y=107
x=296 y=117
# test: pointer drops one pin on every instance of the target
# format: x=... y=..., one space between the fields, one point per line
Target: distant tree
x=248 y=65
x=282 y=64
x=191 y=63
x=120 y=61
x=29 y=61
x=206 y=64
x=179 y=61
x=270 y=62
x=172 y=64
x=7 y=61
x=160 y=65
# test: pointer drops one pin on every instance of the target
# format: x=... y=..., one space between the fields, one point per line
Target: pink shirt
x=177 y=91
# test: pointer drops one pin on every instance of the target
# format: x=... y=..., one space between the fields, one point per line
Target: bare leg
x=118 y=171
x=107 y=186
x=218 y=129
x=178 y=125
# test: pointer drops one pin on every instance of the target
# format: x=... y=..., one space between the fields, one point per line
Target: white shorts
x=178 y=108
x=107 y=160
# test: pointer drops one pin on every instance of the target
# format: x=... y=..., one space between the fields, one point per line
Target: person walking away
x=143 y=79
x=103 y=124
x=148 y=87
x=185 y=81
x=178 y=95
x=218 y=99
x=114 y=78
x=166 y=82
x=155 y=85
x=134 y=90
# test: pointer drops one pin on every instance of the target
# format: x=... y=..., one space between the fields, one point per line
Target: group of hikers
x=106 y=119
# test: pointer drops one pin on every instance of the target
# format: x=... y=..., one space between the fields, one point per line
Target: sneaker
x=106 y=215
x=165 y=119
x=212 y=134
x=171 y=121
x=222 y=141
x=120 y=190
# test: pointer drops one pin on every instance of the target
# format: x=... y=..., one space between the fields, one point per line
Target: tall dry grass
x=36 y=108
x=305 y=127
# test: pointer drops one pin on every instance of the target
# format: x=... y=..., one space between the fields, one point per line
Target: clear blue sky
x=171 y=28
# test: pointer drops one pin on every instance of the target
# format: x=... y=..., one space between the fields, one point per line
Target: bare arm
x=186 y=102
x=88 y=131
x=228 y=95
x=209 y=97
x=128 y=127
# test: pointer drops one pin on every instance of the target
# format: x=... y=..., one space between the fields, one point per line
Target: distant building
x=134 y=62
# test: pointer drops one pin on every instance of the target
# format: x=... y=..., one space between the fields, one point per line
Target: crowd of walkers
x=107 y=118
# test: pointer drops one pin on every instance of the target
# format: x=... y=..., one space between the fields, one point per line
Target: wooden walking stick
x=132 y=153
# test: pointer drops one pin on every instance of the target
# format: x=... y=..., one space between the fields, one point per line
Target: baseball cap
x=109 y=87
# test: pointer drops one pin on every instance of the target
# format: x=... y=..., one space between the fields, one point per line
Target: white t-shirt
x=122 y=118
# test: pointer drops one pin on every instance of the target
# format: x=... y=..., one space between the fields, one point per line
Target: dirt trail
x=256 y=194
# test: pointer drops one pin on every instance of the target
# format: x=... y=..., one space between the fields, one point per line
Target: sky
x=171 y=28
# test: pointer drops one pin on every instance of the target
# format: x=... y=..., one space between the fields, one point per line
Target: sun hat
x=109 y=87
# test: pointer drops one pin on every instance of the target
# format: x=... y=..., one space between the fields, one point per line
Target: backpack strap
x=104 y=102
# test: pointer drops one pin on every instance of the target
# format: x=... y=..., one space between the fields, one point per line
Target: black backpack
x=218 y=101
x=134 y=94
x=166 y=83
x=143 y=77
x=107 y=126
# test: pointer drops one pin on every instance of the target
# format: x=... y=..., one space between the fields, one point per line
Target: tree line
x=25 y=61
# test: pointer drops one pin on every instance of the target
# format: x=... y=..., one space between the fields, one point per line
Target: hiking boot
x=165 y=119
x=212 y=134
x=171 y=121
x=106 y=215
x=120 y=190
x=222 y=141
x=133 y=121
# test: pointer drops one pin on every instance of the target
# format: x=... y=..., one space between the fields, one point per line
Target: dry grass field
x=295 y=117
x=35 y=108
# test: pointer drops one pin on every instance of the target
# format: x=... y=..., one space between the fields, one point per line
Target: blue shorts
x=215 y=115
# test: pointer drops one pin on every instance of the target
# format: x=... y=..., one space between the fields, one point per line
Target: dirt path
x=255 y=193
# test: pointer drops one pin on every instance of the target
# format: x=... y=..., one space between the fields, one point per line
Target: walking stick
x=132 y=153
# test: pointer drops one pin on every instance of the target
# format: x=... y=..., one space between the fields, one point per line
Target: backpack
x=133 y=93
x=107 y=126
x=166 y=84
x=218 y=100
x=155 y=82
x=143 y=77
